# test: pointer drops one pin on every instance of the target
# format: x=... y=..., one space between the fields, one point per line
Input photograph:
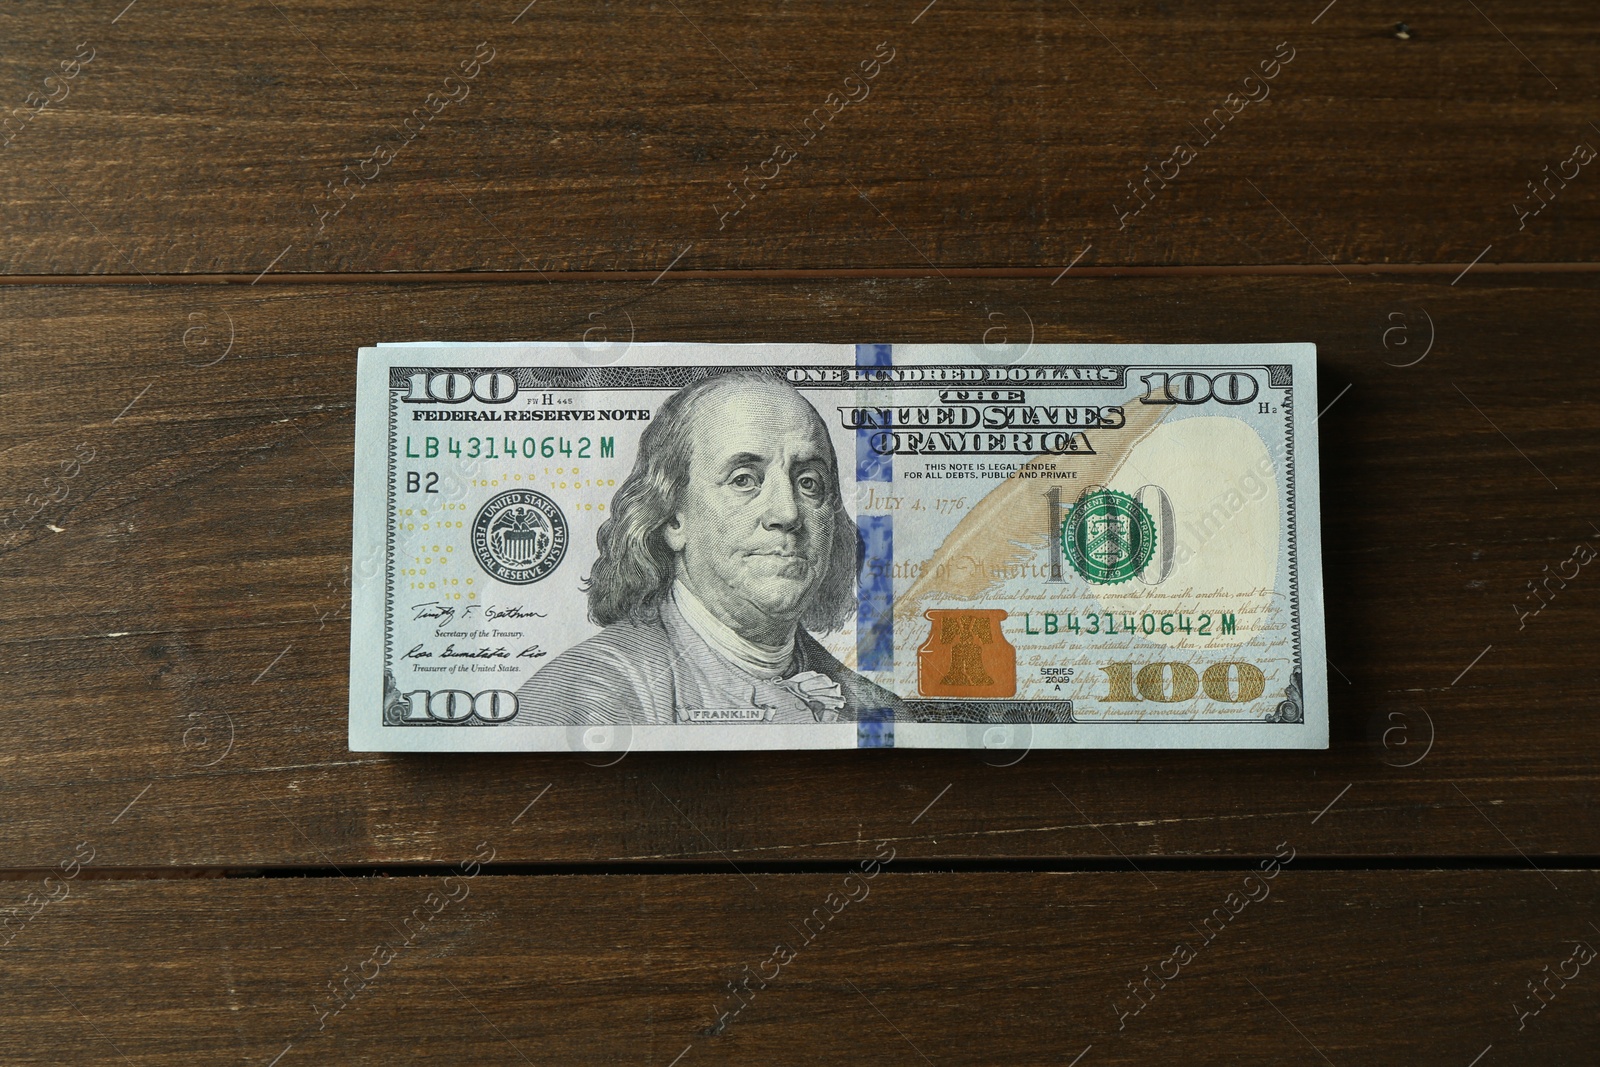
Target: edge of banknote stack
x=609 y=548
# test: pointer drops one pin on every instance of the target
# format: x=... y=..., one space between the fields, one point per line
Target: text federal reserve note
x=827 y=546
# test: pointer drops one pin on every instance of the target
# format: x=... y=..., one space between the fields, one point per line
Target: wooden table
x=220 y=204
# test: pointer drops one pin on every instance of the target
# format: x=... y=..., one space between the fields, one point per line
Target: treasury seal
x=1108 y=536
x=519 y=536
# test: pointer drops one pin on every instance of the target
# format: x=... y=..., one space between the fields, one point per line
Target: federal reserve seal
x=1108 y=536
x=519 y=536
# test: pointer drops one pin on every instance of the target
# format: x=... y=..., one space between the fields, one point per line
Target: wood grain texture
x=1413 y=968
x=175 y=503
x=193 y=591
x=606 y=136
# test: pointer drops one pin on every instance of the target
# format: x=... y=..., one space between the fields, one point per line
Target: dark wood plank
x=196 y=591
x=1337 y=967
x=606 y=136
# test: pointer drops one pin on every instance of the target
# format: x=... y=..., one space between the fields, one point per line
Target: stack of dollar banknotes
x=560 y=547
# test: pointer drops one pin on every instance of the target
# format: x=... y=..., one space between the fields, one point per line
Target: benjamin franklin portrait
x=726 y=548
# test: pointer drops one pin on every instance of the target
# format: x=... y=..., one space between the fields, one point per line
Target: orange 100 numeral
x=1231 y=682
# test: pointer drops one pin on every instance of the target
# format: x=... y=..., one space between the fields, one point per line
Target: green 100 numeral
x=456 y=705
x=1232 y=682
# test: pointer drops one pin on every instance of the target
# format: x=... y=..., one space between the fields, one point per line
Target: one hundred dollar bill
x=697 y=546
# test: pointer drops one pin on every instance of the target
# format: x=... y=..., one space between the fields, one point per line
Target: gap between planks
x=794 y=274
x=1557 y=864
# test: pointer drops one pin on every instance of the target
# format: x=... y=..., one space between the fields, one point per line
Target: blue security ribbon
x=875 y=574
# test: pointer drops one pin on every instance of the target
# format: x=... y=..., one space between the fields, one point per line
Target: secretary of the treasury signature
x=446 y=613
